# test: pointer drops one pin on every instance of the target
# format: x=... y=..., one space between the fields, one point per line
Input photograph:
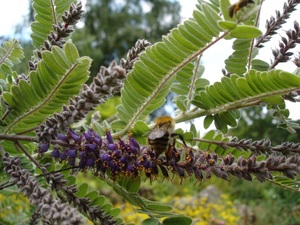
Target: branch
x=50 y=208
x=274 y=24
x=107 y=83
x=259 y=146
x=283 y=54
x=127 y=158
x=13 y=137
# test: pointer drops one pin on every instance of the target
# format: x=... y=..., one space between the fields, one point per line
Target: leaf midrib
x=43 y=103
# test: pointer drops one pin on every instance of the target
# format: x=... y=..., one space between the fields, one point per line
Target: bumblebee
x=233 y=9
x=162 y=137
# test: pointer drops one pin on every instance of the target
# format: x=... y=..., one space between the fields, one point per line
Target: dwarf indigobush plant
x=39 y=110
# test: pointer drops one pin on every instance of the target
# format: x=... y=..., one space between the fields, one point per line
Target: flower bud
x=55 y=153
x=44 y=147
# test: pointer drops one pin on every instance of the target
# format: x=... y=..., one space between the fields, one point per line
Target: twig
x=57 y=171
x=29 y=156
x=8 y=110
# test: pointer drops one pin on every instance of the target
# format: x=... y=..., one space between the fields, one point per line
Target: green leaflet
x=159 y=207
x=55 y=81
x=132 y=185
x=10 y=54
x=212 y=15
x=46 y=15
x=237 y=61
x=98 y=201
x=236 y=92
x=128 y=187
x=187 y=82
x=179 y=220
x=245 y=32
x=254 y=86
x=289 y=183
x=227 y=25
x=260 y=65
x=155 y=71
x=183 y=77
x=82 y=190
x=205 y=20
x=207 y=121
x=151 y=221
x=224 y=5
x=213 y=135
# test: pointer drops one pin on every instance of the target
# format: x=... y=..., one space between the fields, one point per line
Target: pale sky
x=12 y=12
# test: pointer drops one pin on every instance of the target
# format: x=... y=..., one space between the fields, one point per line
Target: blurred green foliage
x=271 y=204
x=112 y=27
x=109 y=30
x=14 y=207
x=257 y=123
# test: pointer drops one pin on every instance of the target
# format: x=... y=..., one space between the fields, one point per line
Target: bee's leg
x=180 y=137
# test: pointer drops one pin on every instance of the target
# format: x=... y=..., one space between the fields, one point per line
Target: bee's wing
x=158 y=131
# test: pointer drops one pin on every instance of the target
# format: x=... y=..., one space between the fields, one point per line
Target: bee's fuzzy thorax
x=164 y=119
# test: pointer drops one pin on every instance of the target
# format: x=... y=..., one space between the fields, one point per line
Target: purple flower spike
x=76 y=138
x=90 y=162
x=112 y=147
x=71 y=161
x=96 y=136
x=123 y=159
x=109 y=137
x=44 y=147
x=88 y=136
x=72 y=153
x=82 y=163
x=63 y=155
x=81 y=154
x=122 y=143
x=130 y=168
x=116 y=153
x=133 y=150
x=134 y=142
x=90 y=147
x=104 y=157
x=63 y=137
x=55 y=153
x=74 y=135
x=98 y=141
x=147 y=164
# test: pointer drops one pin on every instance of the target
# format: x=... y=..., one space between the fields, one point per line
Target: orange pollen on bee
x=164 y=119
